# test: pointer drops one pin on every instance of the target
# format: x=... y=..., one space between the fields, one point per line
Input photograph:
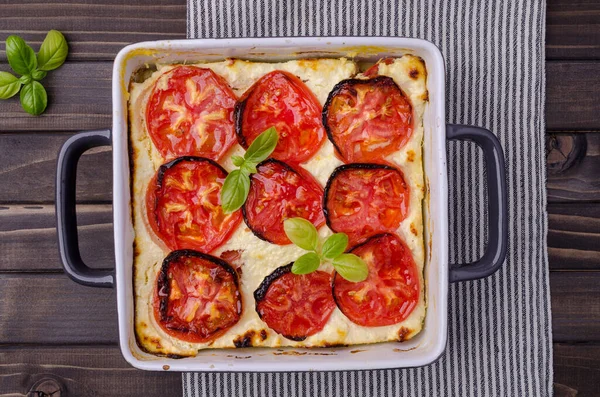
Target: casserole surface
x=260 y=258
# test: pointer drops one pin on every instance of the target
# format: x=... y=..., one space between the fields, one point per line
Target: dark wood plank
x=52 y=309
x=575 y=306
x=80 y=371
x=28 y=238
x=573 y=164
x=572 y=95
x=95 y=30
x=576 y=369
x=573 y=29
x=79 y=98
x=28 y=167
x=574 y=236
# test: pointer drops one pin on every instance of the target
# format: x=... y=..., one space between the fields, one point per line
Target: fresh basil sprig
x=33 y=69
x=237 y=184
x=304 y=234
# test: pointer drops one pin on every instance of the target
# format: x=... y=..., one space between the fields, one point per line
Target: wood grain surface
x=82 y=371
x=576 y=369
x=52 y=328
x=25 y=227
x=95 y=30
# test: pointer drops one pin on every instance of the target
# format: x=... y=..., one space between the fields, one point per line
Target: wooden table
x=55 y=330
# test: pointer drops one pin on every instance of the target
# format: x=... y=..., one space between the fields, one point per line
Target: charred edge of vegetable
x=261 y=292
x=380 y=81
x=238 y=120
x=162 y=280
x=345 y=167
x=165 y=167
x=244 y=211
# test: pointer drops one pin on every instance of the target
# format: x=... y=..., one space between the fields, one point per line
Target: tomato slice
x=390 y=292
x=367 y=120
x=183 y=205
x=278 y=192
x=294 y=305
x=197 y=296
x=365 y=199
x=190 y=113
x=279 y=99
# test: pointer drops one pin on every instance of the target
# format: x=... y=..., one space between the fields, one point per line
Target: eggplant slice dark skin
x=261 y=292
x=163 y=168
x=348 y=84
x=162 y=280
x=338 y=171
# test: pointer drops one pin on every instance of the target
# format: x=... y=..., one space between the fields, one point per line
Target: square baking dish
x=424 y=348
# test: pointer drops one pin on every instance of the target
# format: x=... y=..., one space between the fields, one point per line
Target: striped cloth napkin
x=499 y=341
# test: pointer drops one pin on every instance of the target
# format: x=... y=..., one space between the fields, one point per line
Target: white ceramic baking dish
x=427 y=346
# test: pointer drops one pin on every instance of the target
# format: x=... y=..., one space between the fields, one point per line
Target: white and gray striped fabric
x=500 y=341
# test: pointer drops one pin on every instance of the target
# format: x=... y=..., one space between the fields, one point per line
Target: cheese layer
x=259 y=257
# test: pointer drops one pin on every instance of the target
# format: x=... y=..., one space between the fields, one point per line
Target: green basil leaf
x=237 y=160
x=234 y=191
x=302 y=233
x=262 y=146
x=307 y=263
x=25 y=79
x=53 y=51
x=248 y=168
x=34 y=98
x=351 y=267
x=334 y=246
x=38 y=74
x=9 y=85
x=20 y=56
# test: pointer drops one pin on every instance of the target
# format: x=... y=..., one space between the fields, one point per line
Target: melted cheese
x=260 y=258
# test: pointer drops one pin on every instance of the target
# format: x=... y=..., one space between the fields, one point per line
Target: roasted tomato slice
x=184 y=207
x=365 y=199
x=390 y=292
x=279 y=99
x=295 y=305
x=278 y=192
x=367 y=120
x=190 y=113
x=197 y=297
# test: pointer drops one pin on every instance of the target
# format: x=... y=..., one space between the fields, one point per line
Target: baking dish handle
x=495 y=252
x=66 y=217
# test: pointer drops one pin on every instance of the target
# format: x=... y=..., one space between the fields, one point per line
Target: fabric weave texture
x=500 y=337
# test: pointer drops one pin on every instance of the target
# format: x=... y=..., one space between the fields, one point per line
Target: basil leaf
x=20 y=56
x=38 y=74
x=234 y=191
x=262 y=147
x=307 y=263
x=334 y=246
x=34 y=98
x=351 y=267
x=237 y=160
x=9 y=85
x=53 y=51
x=25 y=79
x=248 y=168
x=302 y=233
